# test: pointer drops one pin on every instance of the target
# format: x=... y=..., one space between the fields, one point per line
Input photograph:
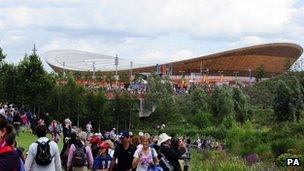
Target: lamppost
x=249 y=70
x=272 y=75
x=207 y=73
x=236 y=75
x=220 y=74
x=63 y=68
x=116 y=66
x=182 y=76
x=131 y=66
x=93 y=65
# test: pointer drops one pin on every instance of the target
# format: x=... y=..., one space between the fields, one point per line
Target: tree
x=2 y=55
x=282 y=102
x=95 y=103
x=123 y=110
x=9 y=83
x=198 y=100
x=241 y=106
x=124 y=77
x=72 y=101
x=160 y=95
x=222 y=102
x=297 y=97
x=109 y=78
x=34 y=83
x=259 y=73
x=202 y=119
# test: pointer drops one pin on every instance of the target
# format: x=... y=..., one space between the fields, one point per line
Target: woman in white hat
x=172 y=154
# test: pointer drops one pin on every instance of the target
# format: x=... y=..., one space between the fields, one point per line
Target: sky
x=145 y=31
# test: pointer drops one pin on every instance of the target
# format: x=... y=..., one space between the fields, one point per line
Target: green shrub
x=264 y=152
x=281 y=160
x=202 y=119
x=228 y=122
x=216 y=160
x=222 y=102
x=281 y=146
x=216 y=132
x=243 y=139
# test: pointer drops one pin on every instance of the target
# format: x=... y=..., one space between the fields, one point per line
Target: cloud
x=248 y=41
x=181 y=55
x=154 y=18
x=148 y=31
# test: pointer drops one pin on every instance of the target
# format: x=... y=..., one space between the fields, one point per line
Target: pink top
x=90 y=159
x=24 y=119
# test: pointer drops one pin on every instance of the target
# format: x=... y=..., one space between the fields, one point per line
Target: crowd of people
x=85 y=150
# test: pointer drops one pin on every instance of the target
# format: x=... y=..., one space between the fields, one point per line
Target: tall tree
x=2 y=55
x=282 y=102
x=9 y=83
x=198 y=100
x=241 y=105
x=95 y=102
x=35 y=83
x=160 y=95
x=297 y=97
x=259 y=73
x=222 y=102
x=73 y=102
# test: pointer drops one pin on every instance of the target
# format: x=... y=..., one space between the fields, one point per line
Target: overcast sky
x=144 y=30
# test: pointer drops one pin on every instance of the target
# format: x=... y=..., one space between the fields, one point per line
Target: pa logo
x=293 y=162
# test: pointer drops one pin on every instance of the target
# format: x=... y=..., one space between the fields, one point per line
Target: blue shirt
x=102 y=162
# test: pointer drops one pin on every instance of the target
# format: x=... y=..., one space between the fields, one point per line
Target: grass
x=25 y=139
x=216 y=160
x=211 y=160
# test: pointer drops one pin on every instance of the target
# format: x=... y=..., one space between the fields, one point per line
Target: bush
x=281 y=160
x=264 y=152
x=281 y=146
x=222 y=102
x=244 y=139
x=228 y=122
x=241 y=105
x=216 y=160
x=202 y=119
x=216 y=132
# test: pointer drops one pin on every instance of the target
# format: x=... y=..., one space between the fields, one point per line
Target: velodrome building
x=274 y=58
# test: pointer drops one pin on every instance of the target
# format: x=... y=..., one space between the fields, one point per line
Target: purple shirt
x=90 y=159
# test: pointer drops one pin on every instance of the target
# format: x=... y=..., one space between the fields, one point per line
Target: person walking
x=103 y=160
x=66 y=148
x=43 y=155
x=80 y=156
x=17 y=122
x=123 y=154
x=67 y=129
x=89 y=128
x=9 y=158
x=145 y=157
x=55 y=131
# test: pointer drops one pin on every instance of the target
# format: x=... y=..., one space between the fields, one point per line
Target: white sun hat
x=163 y=138
x=140 y=134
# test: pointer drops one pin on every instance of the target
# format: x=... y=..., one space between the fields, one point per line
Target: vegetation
x=265 y=119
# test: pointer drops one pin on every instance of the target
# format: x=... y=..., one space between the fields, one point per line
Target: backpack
x=165 y=164
x=43 y=156
x=95 y=150
x=79 y=158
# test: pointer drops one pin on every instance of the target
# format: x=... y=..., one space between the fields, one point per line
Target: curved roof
x=273 y=57
x=77 y=60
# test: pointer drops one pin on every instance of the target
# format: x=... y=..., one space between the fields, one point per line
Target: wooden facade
x=275 y=58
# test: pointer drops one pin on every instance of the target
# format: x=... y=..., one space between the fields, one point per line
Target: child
x=103 y=160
